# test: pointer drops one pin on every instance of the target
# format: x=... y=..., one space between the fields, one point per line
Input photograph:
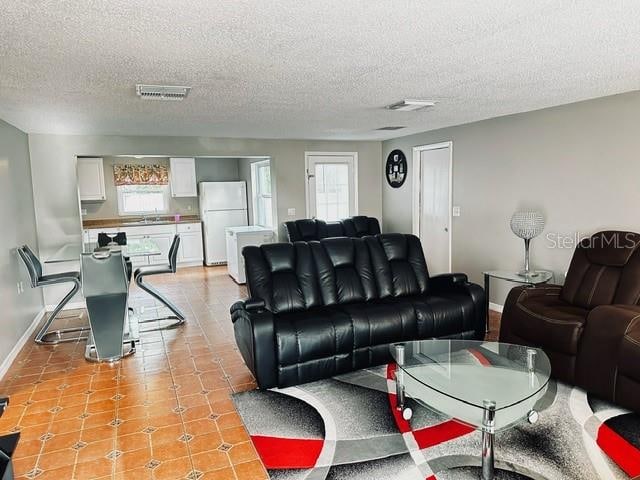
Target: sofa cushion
x=398 y=264
x=549 y=322
x=604 y=270
x=344 y=270
x=376 y=325
x=443 y=315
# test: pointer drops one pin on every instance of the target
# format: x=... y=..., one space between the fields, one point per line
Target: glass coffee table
x=490 y=386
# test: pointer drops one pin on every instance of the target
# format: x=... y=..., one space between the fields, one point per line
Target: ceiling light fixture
x=391 y=127
x=408 y=105
x=162 y=92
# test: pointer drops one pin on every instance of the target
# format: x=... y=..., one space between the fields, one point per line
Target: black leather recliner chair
x=326 y=307
x=308 y=229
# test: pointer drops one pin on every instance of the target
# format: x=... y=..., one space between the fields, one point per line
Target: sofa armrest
x=254 y=331
x=597 y=362
x=448 y=280
x=460 y=284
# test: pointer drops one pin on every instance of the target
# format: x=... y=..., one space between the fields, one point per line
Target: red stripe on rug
x=480 y=357
x=443 y=432
x=619 y=450
x=285 y=453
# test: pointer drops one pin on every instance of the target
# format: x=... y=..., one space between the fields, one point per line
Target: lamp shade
x=527 y=224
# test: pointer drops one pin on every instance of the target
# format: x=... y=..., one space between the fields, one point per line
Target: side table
x=536 y=277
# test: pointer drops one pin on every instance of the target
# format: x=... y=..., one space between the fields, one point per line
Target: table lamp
x=527 y=224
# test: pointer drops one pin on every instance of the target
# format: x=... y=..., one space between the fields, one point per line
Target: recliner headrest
x=280 y=257
x=611 y=248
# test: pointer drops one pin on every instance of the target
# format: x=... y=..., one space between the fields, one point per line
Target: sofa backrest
x=308 y=229
x=605 y=269
x=302 y=275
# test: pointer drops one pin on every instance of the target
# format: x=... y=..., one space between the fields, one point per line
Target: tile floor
x=163 y=413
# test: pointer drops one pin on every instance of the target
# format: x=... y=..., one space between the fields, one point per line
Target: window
x=331 y=188
x=143 y=199
x=261 y=187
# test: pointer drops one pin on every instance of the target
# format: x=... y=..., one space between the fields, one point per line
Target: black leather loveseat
x=307 y=229
x=317 y=309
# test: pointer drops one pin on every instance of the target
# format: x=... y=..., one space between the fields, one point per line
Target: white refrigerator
x=222 y=205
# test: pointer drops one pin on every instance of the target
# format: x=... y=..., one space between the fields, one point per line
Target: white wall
x=18 y=228
x=53 y=162
x=579 y=164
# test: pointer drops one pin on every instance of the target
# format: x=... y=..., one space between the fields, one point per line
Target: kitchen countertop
x=137 y=221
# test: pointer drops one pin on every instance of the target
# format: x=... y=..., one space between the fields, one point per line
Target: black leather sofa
x=321 y=308
x=308 y=229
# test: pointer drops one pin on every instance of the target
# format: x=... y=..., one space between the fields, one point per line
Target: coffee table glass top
x=461 y=377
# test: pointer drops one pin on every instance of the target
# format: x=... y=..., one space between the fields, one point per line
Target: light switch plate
x=291 y=212
x=83 y=211
x=456 y=211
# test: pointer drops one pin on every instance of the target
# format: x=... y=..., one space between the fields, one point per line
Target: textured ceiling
x=305 y=68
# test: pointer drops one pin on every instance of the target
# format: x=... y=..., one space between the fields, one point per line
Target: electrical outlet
x=291 y=212
x=456 y=211
x=83 y=211
x=189 y=207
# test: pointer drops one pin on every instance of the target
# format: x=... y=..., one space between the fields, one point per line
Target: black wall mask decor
x=396 y=168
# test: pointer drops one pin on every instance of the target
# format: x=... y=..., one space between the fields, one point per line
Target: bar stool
x=106 y=290
x=146 y=271
x=34 y=268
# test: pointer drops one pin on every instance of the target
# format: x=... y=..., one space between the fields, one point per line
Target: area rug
x=347 y=428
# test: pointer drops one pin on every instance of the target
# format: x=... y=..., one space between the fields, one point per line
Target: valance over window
x=141 y=175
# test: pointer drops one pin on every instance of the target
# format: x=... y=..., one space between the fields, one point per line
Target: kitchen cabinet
x=189 y=253
x=182 y=172
x=190 y=250
x=91 y=179
x=163 y=241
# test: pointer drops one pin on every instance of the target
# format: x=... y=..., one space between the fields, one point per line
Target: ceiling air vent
x=391 y=128
x=410 y=105
x=162 y=92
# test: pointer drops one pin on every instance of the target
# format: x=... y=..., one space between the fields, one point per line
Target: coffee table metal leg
x=399 y=377
x=488 y=434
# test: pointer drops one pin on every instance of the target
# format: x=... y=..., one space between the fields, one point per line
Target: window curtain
x=141 y=175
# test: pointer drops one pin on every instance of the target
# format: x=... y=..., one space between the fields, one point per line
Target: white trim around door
x=349 y=158
x=417 y=176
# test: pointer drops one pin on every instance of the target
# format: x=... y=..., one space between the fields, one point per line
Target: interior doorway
x=432 y=197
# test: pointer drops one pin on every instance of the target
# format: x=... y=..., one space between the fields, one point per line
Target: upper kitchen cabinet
x=91 y=179
x=183 y=177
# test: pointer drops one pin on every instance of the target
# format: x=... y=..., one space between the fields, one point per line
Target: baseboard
x=496 y=307
x=26 y=336
x=68 y=306
x=191 y=264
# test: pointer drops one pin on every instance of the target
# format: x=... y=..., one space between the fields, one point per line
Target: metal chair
x=106 y=290
x=145 y=271
x=34 y=268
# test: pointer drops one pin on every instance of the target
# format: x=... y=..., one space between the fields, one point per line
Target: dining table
x=115 y=329
x=135 y=247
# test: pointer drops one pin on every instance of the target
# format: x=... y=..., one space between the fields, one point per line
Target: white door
x=91 y=179
x=432 y=204
x=183 y=177
x=331 y=187
x=215 y=247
